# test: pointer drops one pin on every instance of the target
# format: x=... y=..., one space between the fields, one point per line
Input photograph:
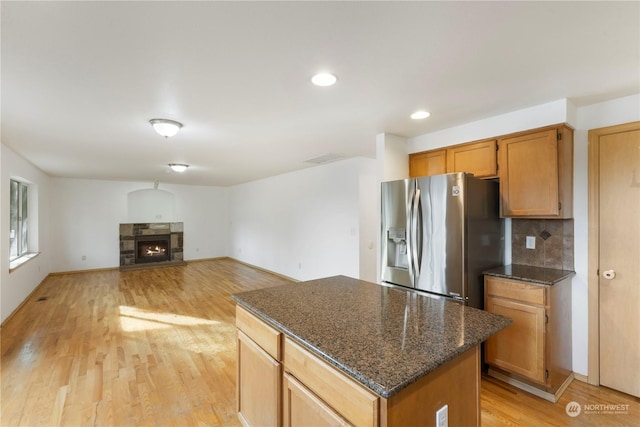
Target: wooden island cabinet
x=304 y=390
x=375 y=376
x=311 y=382
x=259 y=382
x=534 y=352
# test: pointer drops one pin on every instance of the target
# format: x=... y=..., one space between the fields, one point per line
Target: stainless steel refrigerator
x=439 y=233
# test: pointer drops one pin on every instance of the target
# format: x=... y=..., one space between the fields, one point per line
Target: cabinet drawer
x=358 y=405
x=265 y=336
x=303 y=408
x=518 y=291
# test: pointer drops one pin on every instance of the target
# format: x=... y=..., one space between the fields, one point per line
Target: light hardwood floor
x=158 y=347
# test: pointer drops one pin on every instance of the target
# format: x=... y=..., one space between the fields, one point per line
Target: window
x=19 y=220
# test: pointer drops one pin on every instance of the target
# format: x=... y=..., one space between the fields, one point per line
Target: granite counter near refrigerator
x=534 y=275
x=392 y=342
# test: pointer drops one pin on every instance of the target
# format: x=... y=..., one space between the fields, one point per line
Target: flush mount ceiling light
x=324 y=79
x=165 y=127
x=178 y=167
x=420 y=115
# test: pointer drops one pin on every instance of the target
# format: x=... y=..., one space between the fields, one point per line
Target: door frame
x=593 y=353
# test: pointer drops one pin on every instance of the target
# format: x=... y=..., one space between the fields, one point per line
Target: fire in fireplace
x=153 y=248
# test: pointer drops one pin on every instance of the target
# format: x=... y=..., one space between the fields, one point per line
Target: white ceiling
x=80 y=80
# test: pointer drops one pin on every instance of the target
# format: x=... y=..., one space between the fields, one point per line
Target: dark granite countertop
x=384 y=338
x=535 y=275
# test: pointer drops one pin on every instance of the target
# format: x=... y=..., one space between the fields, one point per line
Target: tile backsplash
x=554 y=243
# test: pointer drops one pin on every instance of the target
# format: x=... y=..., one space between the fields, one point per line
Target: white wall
x=17 y=285
x=369 y=221
x=85 y=215
x=304 y=224
x=391 y=155
x=150 y=205
x=618 y=111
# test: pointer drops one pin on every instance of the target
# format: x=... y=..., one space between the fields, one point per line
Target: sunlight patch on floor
x=134 y=319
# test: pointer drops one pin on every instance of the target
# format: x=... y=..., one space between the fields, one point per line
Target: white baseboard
x=580 y=377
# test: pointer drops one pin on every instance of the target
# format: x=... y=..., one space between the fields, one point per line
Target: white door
x=619 y=256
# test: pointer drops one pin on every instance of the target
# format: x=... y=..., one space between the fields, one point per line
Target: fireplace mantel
x=129 y=233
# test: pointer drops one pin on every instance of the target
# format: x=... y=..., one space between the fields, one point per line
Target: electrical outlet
x=531 y=242
x=84 y=257
x=442 y=417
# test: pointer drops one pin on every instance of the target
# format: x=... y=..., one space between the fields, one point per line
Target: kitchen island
x=345 y=351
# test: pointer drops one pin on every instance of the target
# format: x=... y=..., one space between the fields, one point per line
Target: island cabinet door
x=303 y=408
x=259 y=385
x=519 y=348
x=329 y=392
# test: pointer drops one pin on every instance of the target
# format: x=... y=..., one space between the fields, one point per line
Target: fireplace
x=152 y=248
x=151 y=245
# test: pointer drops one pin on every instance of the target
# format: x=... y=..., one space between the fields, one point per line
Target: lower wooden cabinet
x=534 y=352
x=520 y=348
x=303 y=408
x=259 y=372
x=350 y=400
x=259 y=385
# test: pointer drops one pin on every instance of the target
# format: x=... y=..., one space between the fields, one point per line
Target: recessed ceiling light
x=420 y=115
x=324 y=79
x=178 y=167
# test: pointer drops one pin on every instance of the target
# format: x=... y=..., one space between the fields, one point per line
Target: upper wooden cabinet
x=536 y=173
x=535 y=169
x=478 y=158
x=426 y=163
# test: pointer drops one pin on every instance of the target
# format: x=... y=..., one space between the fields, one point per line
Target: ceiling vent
x=326 y=158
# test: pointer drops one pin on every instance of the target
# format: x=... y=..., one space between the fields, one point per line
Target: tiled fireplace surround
x=554 y=243
x=128 y=233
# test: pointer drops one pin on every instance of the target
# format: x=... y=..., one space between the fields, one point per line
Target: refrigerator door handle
x=409 y=238
x=416 y=233
x=417 y=218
